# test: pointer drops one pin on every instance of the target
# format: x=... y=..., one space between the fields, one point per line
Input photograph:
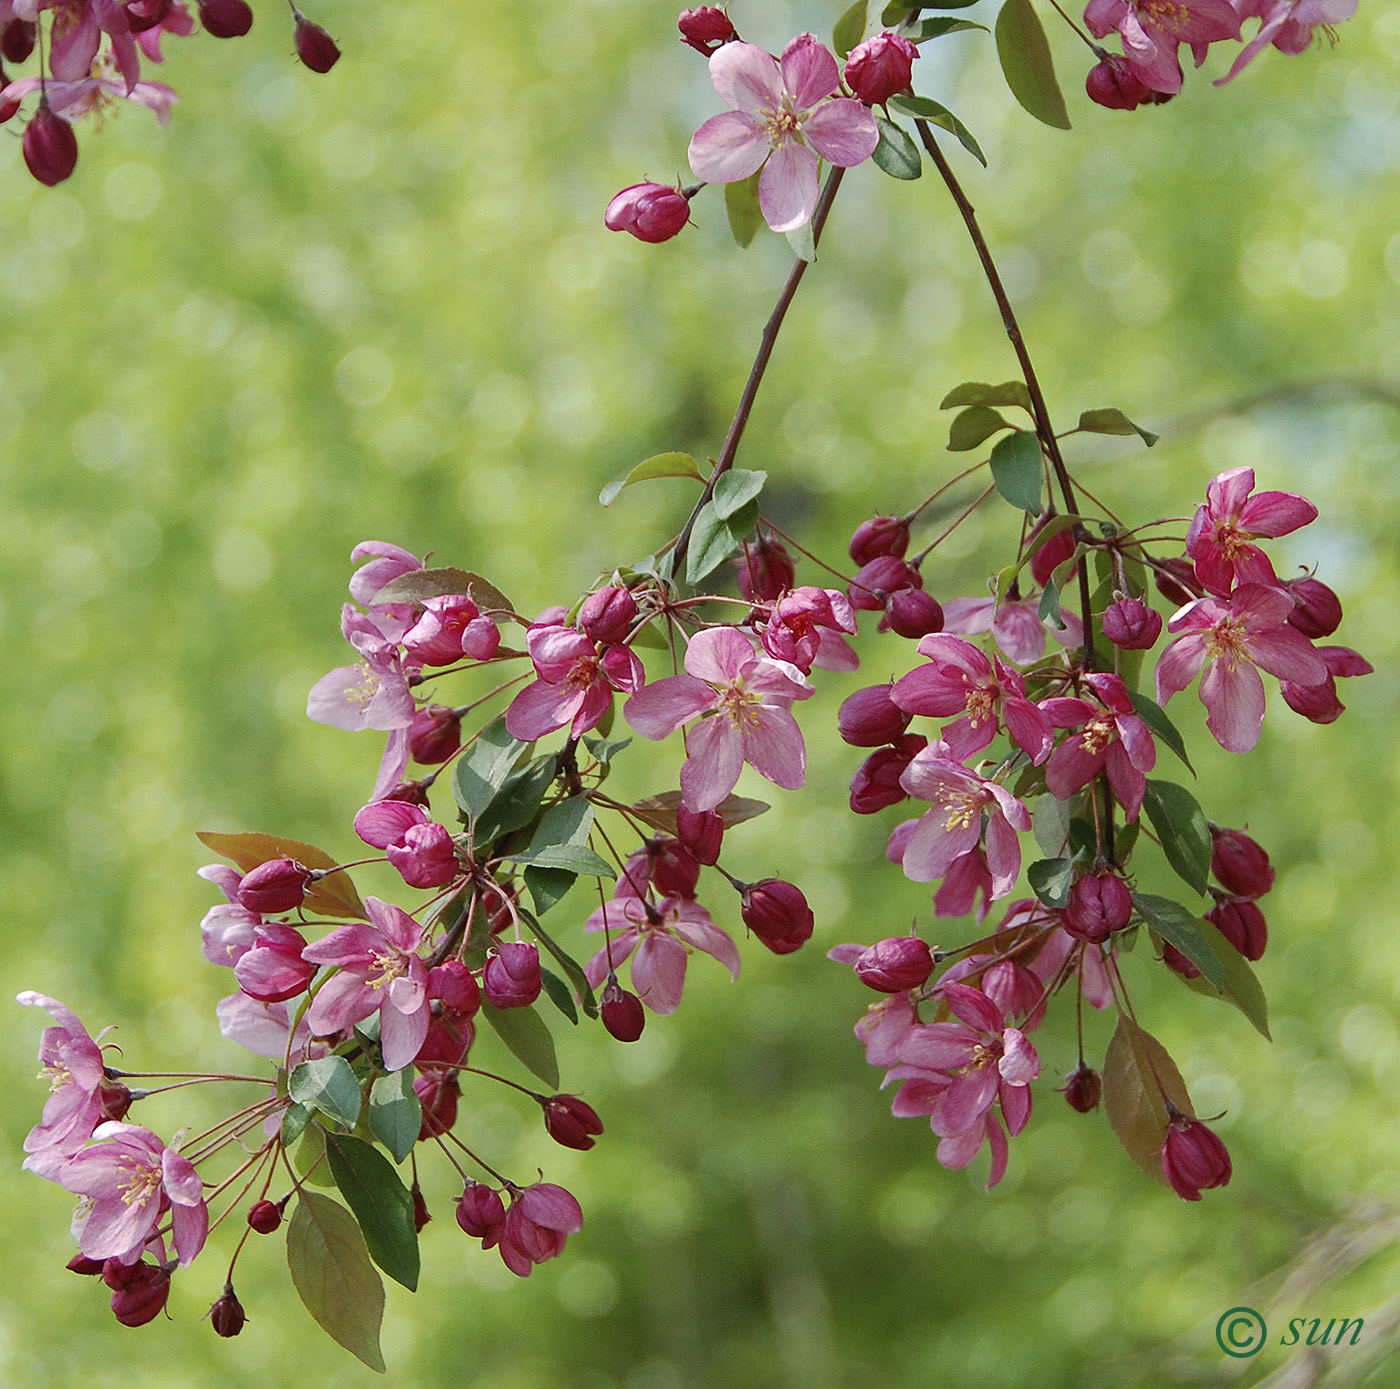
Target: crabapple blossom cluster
x=90 y=55
x=1029 y=785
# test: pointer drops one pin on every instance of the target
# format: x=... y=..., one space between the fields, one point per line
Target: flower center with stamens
x=57 y=1074
x=782 y=125
x=1228 y=643
x=983 y=1056
x=961 y=809
x=389 y=967
x=1171 y=15
x=138 y=1181
x=583 y=674
x=741 y=706
x=1098 y=734
x=366 y=690
x=981 y=704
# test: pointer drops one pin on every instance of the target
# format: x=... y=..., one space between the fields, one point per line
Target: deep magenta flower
x=451 y=627
x=1287 y=24
x=539 y=1221
x=1230 y=639
x=1153 y=30
x=1193 y=1158
x=781 y=117
x=1112 y=739
x=651 y=212
x=743 y=702
x=1223 y=531
x=422 y=850
x=806 y=628
x=379 y=972
x=575 y=684
x=273 y=969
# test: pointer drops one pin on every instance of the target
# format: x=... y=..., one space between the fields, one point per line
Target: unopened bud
x=874 y=582
x=1317 y=703
x=50 y=147
x=895 y=965
x=706 y=29
x=1240 y=865
x=80 y=1263
x=1083 y=1088
x=876 y=783
x=434 y=735
x=880 y=67
x=264 y=1216
x=608 y=614
x=139 y=1291
x=870 y=718
x=315 y=47
x=880 y=535
x=778 y=914
x=17 y=40
x=1194 y=1159
x=227 y=1316
x=570 y=1122
x=115 y=1099
x=456 y=986
x=226 y=19
x=1099 y=904
x=701 y=833
x=1241 y=922
x=1112 y=83
x=420 y=1209
x=1048 y=557
x=278 y=885
x=912 y=613
x=1178 y=963
x=1131 y=624
x=766 y=570
x=1317 y=611
x=622 y=1013
x=652 y=212
x=1176 y=580
x=480 y=1210
x=438 y=1094
x=511 y=978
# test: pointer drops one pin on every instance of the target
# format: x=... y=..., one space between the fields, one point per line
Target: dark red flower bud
x=480 y=1210
x=874 y=582
x=607 y=615
x=115 y=1099
x=413 y=792
x=912 y=613
x=80 y=1263
x=1194 y=1159
x=673 y=870
x=140 y=1291
x=880 y=535
x=420 y=1209
x=227 y=1316
x=456 y=986
x=1178 y=963
x=622 y=1012
x=880 y=67
x=1176 y=580
x=894 y=965
x=434 y=735
x=1049 y=556
x=778 y=914
x=17 y=40
x=50 y=147
x=264 y=1216
x=1099 y=904
x=279 y=885
x=145 y=14
x=870 y=717
x=1240 y=865
x=511 y=978
x=1241 y=922
x=1131 y=624
x=701 y=833
x=438 y=1094
x=315 y=47
x=1112 y=83
x=8 y=105
x=1316 y=703
x=570 y=1122
x=1083 y=1088
x=1317 y=611
x=652 y=212
x=876 y=782
x=226 y=19
x=447 y=1042
x=766 y=570
x=706 y=29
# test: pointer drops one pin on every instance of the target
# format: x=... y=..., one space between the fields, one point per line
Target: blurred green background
x=382 y=304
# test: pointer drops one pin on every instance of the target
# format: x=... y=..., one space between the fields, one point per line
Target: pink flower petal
x=788 y=187
x=729 y=147
x=716 y=759
x=843 y=132
x=746 y=78
x=775 y=749
x=658 y=710
x=1234 y=698
x=809 y=73
x=658 y=972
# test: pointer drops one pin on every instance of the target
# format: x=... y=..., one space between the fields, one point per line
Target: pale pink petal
x=775 y=749
x=401 y=1034
x=693 y=924
x=190 y=1228
x=788 y=187
x=1019 y=1064
x=746 y=78
x=1178 y=665
x=968 y=615
x=933 y=846
x=809 y=72
x=843 y=132
x=1018 y=631
x=341 y=1002
x=658 y=972
x=657 y=711
x=718 y=655
x=540 y=708
x=394 y=923
x=1234 y=697
x=716 y=758
x=729 y=147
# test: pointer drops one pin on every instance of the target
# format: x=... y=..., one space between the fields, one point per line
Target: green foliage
x=381 y=1204
x=529 y=1039
x=1016 y=469
x=333 y=1276
x=1027 y=64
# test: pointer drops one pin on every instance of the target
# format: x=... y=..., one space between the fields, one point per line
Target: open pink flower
x=379 y=973
x=1287 y=24
x=1114 y=739
x=1222 y=533
x=659 y=934
x=781 y=117
x=1229 y=639
x=575 y=684
x=1015 y=625
x=374 y=693
x=1153 y=30
x=539 y=1221
x=743 y=701
x=806 y=628
x=132 y=1179
x=73 y=99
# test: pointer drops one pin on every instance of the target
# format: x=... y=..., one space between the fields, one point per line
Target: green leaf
x=936 y=28
x=561 y=841
x=734 y=489
x=895 y=14
x=548 y=886
x=1026 y=61
x=1016 y=470
x=659 y=465
x=525 y=1033
x=295 y=1118
x=1158 y=721
x=518 y=801
x=660 y=811
x=1050 y=822
x=1181 y=928
x=742 y=209
x=308 y=1157
x=973 y=427
x=1048 y=609
x=1051 y=880
x=560 y=995
x=850 y=29
x=418 y=585
x=333 y=895
x=1114 y=422
x=604 y=749
x=333 y=1276
x=896 y=154
x=803 y=241
x=572 y=858
x=1242 y=986
x=381 y=1203
x=716 y=537
x=981 y=393
x=482 y=769
x=328 y=1085
x=566 y=962
x=1136 y=1071
x=939 y=115
x=1180 y=823
x=395 y=1112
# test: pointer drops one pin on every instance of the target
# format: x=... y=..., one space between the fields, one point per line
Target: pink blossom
x=660 y=936
x=132 y=1179
x=372 y=694
x=743 y=701
x=1153 y=30
x=451 y=627
x=1222 y=533
x=265 y=1029
x=1015 y=625
x=386 y=563
x=79 y=97
x=539 y=1221
x=780 y=120
x=806 y=628
x=960 y=679
x=885 y=1025
x=228 y=932
x=575 y=684
x=422 y=850
x=1114 y=739
x=273 y=970
x=379 y=973
x=651 y=212
x=1287 y=24
x=1193 y=1158
x=954 y=826
x=1229 y=639
x=1319 y=703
